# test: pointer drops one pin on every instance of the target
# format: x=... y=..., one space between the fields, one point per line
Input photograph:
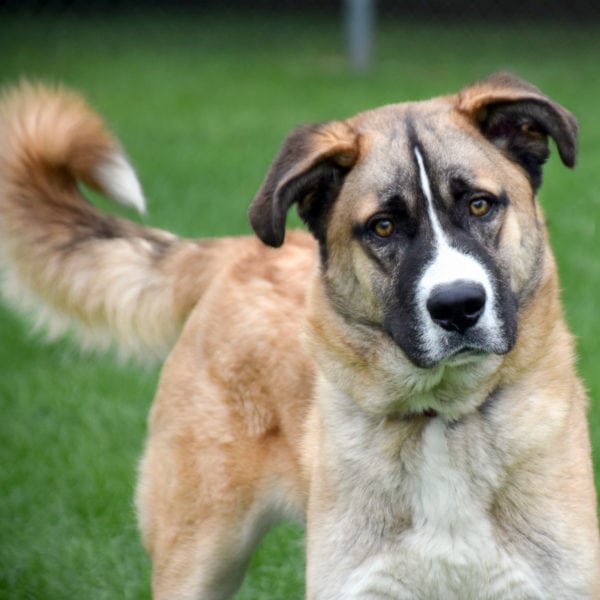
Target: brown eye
x=479 y=207
x=382 y=227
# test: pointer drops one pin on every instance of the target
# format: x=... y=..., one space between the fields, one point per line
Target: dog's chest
x=450 y=551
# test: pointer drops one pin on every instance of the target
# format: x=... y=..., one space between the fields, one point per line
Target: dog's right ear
x=309 y=171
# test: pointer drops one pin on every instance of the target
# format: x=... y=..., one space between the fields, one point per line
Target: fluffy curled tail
x=74 y=267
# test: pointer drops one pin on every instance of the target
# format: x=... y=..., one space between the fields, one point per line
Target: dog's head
x=425 y=213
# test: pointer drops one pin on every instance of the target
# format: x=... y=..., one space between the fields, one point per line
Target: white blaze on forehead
x=426 y=187
x=449 y=265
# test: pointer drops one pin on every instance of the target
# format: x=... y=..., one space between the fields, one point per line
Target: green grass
x=201 y=103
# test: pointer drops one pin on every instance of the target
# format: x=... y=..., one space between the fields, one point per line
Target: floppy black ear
x=515 y=116
x=308 y=170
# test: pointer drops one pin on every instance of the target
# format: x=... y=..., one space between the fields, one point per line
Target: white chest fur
x=409 y=519
x=450 y=550
x=447 y=515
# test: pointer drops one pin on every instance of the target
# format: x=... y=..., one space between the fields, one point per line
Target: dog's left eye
x=382 y=227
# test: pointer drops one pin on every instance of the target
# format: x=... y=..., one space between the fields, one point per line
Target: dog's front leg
x=348 y=522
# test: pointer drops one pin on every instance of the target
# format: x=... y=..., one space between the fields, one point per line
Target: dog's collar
x=485 y=408
x=430 y=413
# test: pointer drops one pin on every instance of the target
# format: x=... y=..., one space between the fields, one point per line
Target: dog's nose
x=456 y=306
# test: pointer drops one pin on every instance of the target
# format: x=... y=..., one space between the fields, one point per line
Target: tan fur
x=284 y=396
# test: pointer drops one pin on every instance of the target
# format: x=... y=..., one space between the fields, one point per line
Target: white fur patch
x=440 y=496
x=120 y=183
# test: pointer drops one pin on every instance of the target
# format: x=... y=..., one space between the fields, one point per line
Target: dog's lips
x=456 y=357
x=457 y=351
x=471 y=348
x=464 y=355
x=460 y=351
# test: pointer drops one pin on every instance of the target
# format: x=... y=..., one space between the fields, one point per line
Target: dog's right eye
x=382 y=227
x=479 y=207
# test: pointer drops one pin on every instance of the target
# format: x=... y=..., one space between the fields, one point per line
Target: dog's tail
x=110 y=280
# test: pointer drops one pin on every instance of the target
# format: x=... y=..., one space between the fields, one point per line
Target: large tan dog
x=406 y=382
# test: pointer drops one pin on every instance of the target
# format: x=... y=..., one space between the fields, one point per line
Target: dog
x=400 y=376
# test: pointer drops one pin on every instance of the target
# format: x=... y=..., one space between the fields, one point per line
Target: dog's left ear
x=308 y=170
x=515 y=116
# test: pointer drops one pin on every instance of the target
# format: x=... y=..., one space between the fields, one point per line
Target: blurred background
x=201 y=93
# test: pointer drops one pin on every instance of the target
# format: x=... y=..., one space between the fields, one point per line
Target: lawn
x=201 y=103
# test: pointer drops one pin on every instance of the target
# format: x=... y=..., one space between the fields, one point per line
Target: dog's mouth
x=466 y=355
x=455 y=349
x=460 y=353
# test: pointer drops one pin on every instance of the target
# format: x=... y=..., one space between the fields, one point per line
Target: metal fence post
x=360 y=19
